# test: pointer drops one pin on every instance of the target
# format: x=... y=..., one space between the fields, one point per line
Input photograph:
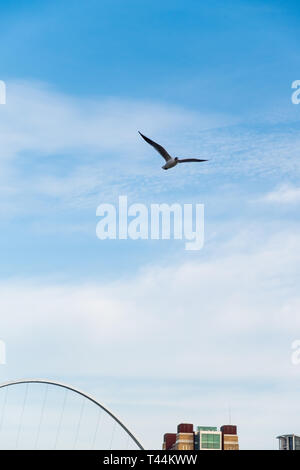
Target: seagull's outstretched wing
x=182 y=160
x=157 y=147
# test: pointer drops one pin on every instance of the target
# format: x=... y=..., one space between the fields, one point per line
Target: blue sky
x=210 y=80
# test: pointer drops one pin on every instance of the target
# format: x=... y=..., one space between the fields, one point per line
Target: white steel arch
x=79 y=392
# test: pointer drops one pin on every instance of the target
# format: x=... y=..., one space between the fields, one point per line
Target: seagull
x=170 y=161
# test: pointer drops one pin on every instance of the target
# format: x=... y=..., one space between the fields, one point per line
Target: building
x=289 y=442
x=182 y=440
x=230 y=439
x=185 y=437
x=169 y=441
x=208 y=438
x=204 y=438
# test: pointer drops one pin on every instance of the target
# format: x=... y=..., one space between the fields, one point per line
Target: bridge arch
x=79 y=392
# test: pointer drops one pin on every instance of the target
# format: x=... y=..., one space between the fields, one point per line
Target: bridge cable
x=99 y=420
x=61 y=417
x=112 y=435
x=41 y=417
x=3 y=410
x=79 y=423
x=21 y=417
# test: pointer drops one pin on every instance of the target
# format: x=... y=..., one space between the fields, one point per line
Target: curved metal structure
x=79 y=392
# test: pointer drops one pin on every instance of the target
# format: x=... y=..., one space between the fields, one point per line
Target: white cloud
x=285 y=194
x=57 y=146
x=170 y=321
x=39 y=119
x=80 y=151
x=230 y=319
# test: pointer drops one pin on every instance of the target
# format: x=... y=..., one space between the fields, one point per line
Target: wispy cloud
x=58 y=146
x=225 y=319
x=285 y=194
x=243 y=301
x=37 y=118
x=79 y=151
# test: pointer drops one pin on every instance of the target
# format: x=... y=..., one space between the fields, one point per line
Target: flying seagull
x=170 y=161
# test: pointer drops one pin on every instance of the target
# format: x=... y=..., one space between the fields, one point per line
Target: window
x=210 y=441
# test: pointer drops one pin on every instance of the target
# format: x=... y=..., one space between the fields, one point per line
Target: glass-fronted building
x=203 y=438
x=208 y=438
x=289 y=442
